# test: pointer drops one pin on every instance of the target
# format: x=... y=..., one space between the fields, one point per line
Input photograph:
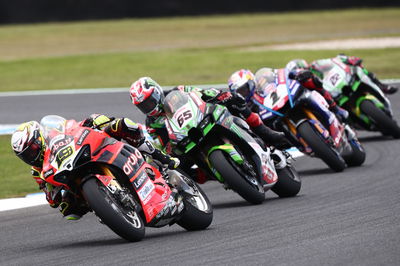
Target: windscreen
x=174 y=101
x=52 y=125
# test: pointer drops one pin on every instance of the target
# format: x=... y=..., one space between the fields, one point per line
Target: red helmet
x=148 y=96
x=28 y=143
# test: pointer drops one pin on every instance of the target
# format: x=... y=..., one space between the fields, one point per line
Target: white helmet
x=28 y=143
x=242 y=82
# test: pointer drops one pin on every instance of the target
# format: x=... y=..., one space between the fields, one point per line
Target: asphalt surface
x=348 y=218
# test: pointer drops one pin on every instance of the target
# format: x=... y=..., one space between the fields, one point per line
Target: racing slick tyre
x=198 y=213
x=236 y=178
x=320 y=148
x=383 y=122
x=288 y=184
x=357 y=156
x=125 y=223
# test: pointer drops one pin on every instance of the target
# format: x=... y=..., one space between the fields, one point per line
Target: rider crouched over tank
x=28 y=143
x=148 y=96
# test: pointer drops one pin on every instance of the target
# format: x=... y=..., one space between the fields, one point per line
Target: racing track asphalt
x=348 y=218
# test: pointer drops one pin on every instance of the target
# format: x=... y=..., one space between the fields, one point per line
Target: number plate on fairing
x=183 y=116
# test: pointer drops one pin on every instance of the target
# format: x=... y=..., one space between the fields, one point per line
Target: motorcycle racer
x=28 y=143
x=148 y=96
x=247 y=84
x=318 y=68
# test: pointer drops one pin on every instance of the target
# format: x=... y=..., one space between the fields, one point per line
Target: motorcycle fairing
x=214 y=116
x=276 y=95
x=265 y=167
x=154 y=196
x=341 y=76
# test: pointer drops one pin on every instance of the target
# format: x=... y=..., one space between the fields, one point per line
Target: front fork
x=110 y=182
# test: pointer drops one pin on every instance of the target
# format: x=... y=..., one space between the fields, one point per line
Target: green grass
x=213 y=65
x=15 y=175
x=178 y=50
x=129 y=35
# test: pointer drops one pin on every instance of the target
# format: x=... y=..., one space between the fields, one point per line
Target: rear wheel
x=253 y=192
x=288 y=184
x=383 y=122
x=320 y=148
x=125 y=223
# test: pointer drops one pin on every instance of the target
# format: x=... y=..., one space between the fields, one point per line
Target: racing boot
x=387 y=89
x=272 y=137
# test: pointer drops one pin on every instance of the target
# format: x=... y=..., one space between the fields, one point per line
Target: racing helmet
x=297 y=64
x=148 y=96
x=242 y=82
x=265 y=76
x=28 y=143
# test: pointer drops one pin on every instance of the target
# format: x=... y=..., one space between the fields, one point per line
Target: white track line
x=90 y=91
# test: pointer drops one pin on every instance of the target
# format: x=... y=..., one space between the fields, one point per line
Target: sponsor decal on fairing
x=83 y=136
x=145 y=191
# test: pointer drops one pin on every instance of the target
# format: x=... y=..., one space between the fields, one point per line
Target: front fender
x=369 y=97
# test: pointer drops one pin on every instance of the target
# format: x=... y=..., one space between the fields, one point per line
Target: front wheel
x=357 y=156
x=125 y=223
x=383 y=122
x=198 y=213
x=320 y=148
x=235 y=178
x=288 y=184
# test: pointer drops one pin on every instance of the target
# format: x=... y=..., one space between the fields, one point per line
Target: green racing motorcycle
x=210 y=137
x=354 y=91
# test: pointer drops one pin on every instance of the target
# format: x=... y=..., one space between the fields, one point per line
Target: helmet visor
x=149 y=104
x=31 y=154
x=246 y=89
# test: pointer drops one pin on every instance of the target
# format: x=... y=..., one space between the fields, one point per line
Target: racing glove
x=174 y=163
x=237 y=105
x=224 y=96
x=97 y=121
x=301 y=76
x=354 y=61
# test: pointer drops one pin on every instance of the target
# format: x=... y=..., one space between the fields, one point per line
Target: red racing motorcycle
x=117 y=183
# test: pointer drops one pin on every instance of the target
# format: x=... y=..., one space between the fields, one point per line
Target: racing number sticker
x=64 y=154
x=334 y=79
x=182 y=116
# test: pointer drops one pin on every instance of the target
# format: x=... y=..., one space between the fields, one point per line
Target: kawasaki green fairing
x=196 y=129
x=350 y=86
